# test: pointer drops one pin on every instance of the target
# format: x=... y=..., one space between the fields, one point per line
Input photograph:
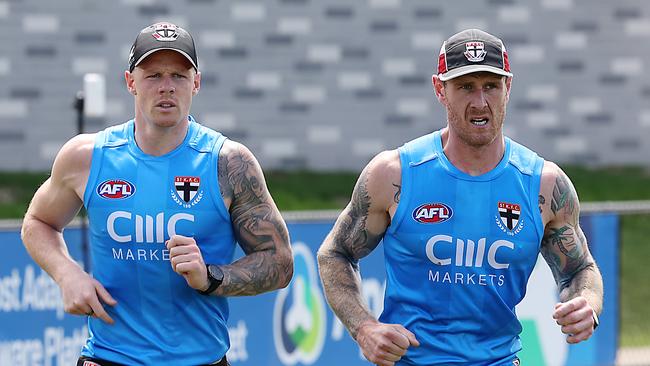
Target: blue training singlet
x=135 y=202
x=459 y=252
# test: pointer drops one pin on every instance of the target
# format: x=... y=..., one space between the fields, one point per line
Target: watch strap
x=214 y=282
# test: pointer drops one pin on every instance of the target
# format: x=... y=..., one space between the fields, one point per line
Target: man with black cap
x=167 y=199
x=463 y=213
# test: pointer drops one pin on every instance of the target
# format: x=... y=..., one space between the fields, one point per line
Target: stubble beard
x=469 y=135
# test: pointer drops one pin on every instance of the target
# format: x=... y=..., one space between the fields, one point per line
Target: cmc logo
x=468 y=253
x=299 y=313
x=432 y=213
x=147 y=229
x=116 y=189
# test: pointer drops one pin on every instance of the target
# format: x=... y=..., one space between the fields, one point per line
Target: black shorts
x=90 y=361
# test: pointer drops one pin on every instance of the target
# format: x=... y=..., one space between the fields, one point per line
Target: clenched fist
x=576 y=318
x=186 y=260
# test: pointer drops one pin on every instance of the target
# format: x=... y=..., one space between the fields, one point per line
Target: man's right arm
x=54 y=205
x=356 y=233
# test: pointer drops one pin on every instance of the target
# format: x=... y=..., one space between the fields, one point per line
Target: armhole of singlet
x=95 y=166
x=535 y=185
x=405 y=193
x=214 y=176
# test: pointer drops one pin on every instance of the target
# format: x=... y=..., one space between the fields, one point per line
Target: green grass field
x=312 y=191
x=635 y=291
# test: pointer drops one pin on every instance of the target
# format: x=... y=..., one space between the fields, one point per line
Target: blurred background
x=316 y=88
x=327 y=84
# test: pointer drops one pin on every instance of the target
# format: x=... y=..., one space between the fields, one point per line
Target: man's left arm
x=564 y=247
x=258 y=227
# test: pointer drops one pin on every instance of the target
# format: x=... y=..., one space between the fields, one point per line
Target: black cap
x=472 y=50
x=162 y=36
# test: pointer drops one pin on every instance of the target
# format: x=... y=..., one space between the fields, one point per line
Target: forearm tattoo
x=572 y=256
x=259 y=229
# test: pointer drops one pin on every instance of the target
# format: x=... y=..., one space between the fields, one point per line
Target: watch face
x=216 y=273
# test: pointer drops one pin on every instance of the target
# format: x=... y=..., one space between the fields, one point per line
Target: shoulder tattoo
x=222 y=173
x=398 y=192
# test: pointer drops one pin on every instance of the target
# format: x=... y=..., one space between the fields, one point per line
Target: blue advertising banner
x=295 y=326
x=33 y=327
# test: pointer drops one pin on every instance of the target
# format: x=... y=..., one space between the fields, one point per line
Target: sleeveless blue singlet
x=135 y=202
x=459 y=252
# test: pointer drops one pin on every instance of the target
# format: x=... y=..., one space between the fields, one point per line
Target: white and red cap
x=472 y=50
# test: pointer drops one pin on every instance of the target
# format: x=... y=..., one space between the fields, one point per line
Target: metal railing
x=620 y=207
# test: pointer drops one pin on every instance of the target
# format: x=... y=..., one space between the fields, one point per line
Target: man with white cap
x=166 y=199
x=463 y=213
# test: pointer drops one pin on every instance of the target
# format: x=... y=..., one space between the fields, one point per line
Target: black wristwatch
x=215 y=277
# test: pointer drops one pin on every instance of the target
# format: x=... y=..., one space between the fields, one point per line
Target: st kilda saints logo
x=186 y=191
x=509 y=218
x=165 y=32
x=475 y=51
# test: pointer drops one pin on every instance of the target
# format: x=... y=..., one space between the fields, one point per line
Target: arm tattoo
x=398 y=192
x=222 y=173
x=351 y=233
x=565 y=255
x=542 y=201
x=563 y=196
x=564 y=246
x=563 y=238
x=258 y=227
x=338 y=258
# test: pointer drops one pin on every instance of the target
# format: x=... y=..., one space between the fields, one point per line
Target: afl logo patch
x=432 y=213
x=116 y=189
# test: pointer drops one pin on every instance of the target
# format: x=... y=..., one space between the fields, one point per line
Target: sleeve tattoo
x=258 y=227
x=338 y=258
x=564 y=245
